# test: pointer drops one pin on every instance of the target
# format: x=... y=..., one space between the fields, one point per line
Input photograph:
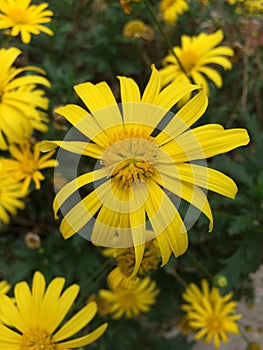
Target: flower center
x=37 y=339
x=128 y=300
x=150 y=261
x=130 y=160
x=214 y=324
x=18 y=17
x=188 y=59
x=28 y=166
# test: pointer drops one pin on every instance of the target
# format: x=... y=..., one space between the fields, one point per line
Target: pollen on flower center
x=37 y=339
x=188 y=59
x=130 y=160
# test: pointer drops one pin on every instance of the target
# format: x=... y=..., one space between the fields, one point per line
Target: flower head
x=209 y=313
x=32 y=322
x=196 y=54
x=144 y=167
x=128 y=297
x=21 y=102
x=25 y=19
x=137 y=29
x=10 y=195
x=27 y=163
x=171 y=9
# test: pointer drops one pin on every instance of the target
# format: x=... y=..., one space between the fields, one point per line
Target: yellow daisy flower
x=171 y=9
x=144 y=165
x=27 y=163
x=25 y=19
x=137 y=29
x=10 y=195
x=20 y=100
x=33 y=321
x=128 y=297
x=209 y=313
x=196 y=54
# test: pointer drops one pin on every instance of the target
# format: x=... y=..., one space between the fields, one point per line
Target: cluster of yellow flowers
x=251 y=7
x=23 y=107
x=140 y=166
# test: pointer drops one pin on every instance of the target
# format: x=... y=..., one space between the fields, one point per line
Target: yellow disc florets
x=150 y=260
x=130 y=158
x=37 y=339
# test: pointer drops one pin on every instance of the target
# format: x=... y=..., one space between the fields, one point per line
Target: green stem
x=200 y=265
x=178 y=278
x=95 y=277
x=167 y=41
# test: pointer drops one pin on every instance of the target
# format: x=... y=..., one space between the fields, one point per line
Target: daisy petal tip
x=46 y=146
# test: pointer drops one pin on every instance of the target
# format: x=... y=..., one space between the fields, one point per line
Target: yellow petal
x=77 y=322
x=24 y=302
x=87 y=339
x=63 y=303
x=173 y=93
x=78 y=216
x=74 y=185
x=207 y=178
x=9 y=338
x=84 y=122
x=101 y=103
x=192 y=194
x=184 y=118
x=7 y=58
x=130 y=97
x=153 y=87
x=78 y=147
x=12 y=315
x=204 y=142
x=213 y=75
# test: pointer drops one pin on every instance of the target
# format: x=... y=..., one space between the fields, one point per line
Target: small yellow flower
x=171 y=9
x=22 y=103
x=137 y=29
x=22 y=18
x=10 y=194
x=210 y=314
x=128 y=297
x=33 y=321
x=196 y=55
x=27 y=163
